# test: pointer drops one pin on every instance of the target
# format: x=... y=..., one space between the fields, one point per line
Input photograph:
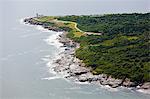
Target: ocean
x=26 y=53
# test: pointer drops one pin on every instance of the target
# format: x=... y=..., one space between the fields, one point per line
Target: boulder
x=128 y=83
x=145 y=86
x=110 y=81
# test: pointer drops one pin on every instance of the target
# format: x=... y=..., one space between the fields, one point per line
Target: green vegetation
x=112 y=23
x=123 y=48
x=64 y=25
x=45 y=18
x=121 y=51
x=73 y=29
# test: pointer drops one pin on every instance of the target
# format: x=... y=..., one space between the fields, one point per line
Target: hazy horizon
x=28 y=54
x=76 y=7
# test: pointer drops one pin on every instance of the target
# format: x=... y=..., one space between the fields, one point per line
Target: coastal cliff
x=74 y=69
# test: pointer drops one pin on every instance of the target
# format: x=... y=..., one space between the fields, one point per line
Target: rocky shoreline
x=72 y=68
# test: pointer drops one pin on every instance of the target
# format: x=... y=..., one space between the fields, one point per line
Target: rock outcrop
x=73 y=68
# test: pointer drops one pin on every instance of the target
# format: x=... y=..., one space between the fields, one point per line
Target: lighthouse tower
x=37 y=15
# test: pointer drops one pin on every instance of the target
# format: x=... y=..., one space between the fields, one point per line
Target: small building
x=38 y=15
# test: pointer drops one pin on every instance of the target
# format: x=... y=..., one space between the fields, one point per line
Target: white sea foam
x=51 y=78
x=144 y=91
x=82 y=83
x=50 y=64
x=45 y=59
x=21 y=21
x=51 y=70
x=47 y=56
x=38 y=27
x=53 y=40
x=107 y=87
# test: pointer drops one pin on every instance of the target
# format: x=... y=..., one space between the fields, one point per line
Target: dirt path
x=75 y=26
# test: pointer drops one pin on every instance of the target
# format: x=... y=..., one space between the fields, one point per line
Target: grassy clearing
x=108 y=43
x=72 y=25
x=118 y=39
x=132 y=37
x=45 y=18
x=78 y=34
x=58 y=23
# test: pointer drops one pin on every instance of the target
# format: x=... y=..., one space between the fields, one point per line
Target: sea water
x=26 y=54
